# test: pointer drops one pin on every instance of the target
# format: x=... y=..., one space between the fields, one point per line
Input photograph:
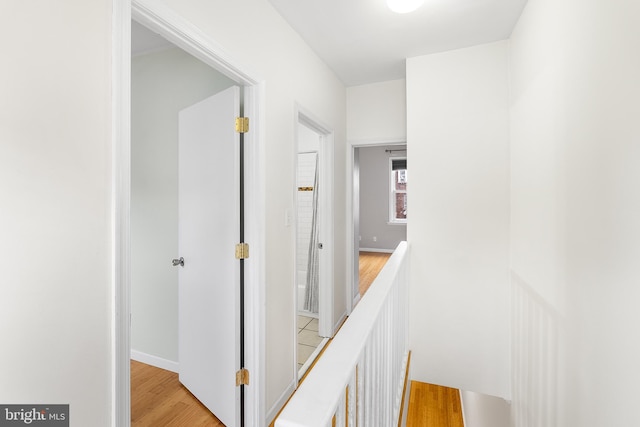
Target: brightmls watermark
x=34 y=415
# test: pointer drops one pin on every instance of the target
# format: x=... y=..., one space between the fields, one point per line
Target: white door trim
x=352 y=298
x=326 y=163
x=183 y=34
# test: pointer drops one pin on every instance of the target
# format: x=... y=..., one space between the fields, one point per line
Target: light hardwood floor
x=370 y=264
x=434 y=406
x=158 y=399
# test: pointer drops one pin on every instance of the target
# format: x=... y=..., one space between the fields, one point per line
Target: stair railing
x=359 y=380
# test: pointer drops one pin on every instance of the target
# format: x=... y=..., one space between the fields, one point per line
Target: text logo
x=34 y=415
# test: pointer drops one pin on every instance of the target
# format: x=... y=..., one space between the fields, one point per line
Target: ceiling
x=364 y=42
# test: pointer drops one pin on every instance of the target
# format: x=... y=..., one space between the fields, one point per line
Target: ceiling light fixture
x=404 y=6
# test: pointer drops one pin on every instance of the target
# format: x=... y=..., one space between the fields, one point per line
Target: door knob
x=178 y=262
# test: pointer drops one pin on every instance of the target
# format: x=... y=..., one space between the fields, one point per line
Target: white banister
x=360 y=377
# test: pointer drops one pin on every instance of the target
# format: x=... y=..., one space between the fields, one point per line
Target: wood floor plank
x=370 y=264
x=158 y=399
x=434 y=406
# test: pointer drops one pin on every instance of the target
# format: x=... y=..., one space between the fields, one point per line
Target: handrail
x=359 y=379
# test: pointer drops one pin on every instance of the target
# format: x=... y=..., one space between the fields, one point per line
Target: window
x=398 y=193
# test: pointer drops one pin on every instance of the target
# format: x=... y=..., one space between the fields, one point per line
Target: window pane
x=401 y=206
x=400 y=179
x=398 y=176
x=398 y=164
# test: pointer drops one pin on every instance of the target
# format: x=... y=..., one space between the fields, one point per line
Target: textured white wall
x=162 y=84
x=457 y=132
x=55 y=198
x=576 y=205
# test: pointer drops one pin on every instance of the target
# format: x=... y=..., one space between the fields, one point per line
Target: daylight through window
x=398 y=194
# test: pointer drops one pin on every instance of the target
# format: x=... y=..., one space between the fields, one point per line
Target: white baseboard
x=302 y=371
x=284 y=398
x=156 y=361
x=355 y=301
x=341 y=320
x=384 y=251
x=464 y=417
x=308 y=314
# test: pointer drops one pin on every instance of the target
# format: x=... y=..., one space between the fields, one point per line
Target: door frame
x=353 y=214
x=326 y=328
x=189 y=38
x=326 y=310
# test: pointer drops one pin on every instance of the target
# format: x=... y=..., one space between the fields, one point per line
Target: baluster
x=372 y=349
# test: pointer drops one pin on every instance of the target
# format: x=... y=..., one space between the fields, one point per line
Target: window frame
x=393 y=192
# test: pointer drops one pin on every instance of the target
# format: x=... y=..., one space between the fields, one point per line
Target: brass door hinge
x=242 y=124
x=242 y=251
x=242 y=377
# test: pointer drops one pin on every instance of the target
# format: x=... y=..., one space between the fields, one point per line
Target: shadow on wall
x=481 y=410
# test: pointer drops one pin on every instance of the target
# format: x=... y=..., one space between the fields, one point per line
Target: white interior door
x=208 y=231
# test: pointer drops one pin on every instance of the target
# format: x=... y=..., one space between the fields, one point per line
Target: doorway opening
x=184 y=203
x=166 y=85
x=378 y=209
x=191 y=41
x=313 y=284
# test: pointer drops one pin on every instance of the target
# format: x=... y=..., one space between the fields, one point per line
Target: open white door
x=208 y=231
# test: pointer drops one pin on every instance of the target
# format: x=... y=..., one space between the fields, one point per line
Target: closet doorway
x=170 y=82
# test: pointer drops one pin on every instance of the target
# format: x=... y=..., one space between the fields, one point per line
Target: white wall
x=537 y=132
x=481 y=410
x=457 y=132
x=55 y=198
x=374 y=199
x=57 y=155
x=162 y=84
x=576 y=205
x=377 y=112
